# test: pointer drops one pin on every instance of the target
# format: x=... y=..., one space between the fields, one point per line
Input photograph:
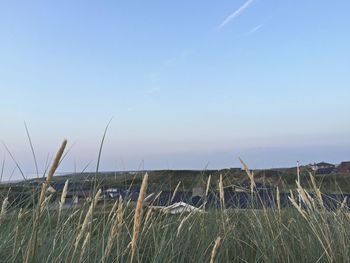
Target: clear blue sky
x=188 y=83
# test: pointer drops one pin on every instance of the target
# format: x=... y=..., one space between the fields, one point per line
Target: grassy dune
x=98 y=231
x=101 y=233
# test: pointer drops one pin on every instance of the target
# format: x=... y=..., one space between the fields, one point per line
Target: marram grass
x=240 y=235
x=101 y=232
x=98 y=231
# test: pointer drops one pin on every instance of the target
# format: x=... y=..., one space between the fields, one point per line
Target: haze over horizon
x=189 y=85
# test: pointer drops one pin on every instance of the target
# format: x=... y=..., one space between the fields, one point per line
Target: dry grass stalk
x=3 y=211
x=317 y=190
x=221 y=192
x=113 y=210
x=148 y=215
x=291 y=194
x=215 y=249
x=182 y=223
x=19 y=218
x=343 y=204
x=208 y=186
x=33 y=239
x=250 y=175
x=83 y=248
x=20 y=214
x=88 y=219
x=69 y=218
x=207 y=191
x=52 y=170
x=304 y=196
x=138 y=216
x=116 y=226
x=300 y=210
x=278 y=199
x=63 y=198
x=312 y=200
x=175 y=191
x=157 y=196
x=44 y=204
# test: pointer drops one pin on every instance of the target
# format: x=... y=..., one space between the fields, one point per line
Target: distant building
x=323 y=168
x=344 y=167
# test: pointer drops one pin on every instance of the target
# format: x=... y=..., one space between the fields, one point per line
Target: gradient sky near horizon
x=189 y=84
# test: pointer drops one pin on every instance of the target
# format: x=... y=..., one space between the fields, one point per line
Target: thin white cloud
x=235 y=14
x=153 y=83
x=151 y=91
x=178 y=59
x=153 y=78
x=254 y=29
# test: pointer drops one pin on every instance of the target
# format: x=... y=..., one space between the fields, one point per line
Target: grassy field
x=123 y=231
x=129 y=232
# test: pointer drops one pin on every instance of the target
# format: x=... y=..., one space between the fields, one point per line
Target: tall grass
x=249 y=235
x=98 y=231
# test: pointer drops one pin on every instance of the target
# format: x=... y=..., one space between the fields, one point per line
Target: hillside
x=161 y=180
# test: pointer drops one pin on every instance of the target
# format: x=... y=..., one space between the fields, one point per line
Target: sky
x=188 y=84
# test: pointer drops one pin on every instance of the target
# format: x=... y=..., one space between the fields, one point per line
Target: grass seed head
x=138 y=216
x=4 y=206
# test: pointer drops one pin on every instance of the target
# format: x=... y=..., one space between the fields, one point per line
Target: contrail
x=253 y=30
x=235 y=14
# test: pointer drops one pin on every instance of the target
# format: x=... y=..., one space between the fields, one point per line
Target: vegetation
x=98 y=231
x=162 y=180
x=127 y=232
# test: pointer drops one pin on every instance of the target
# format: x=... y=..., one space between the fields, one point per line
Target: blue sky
x=188 y=83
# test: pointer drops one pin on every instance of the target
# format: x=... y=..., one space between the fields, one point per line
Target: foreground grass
x=98 y=231
x=105 y=235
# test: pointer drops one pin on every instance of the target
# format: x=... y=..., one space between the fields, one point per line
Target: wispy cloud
x=178 y=59
x=254 y=29
x=235 y=14
x=153 y=79
x=151 y=91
